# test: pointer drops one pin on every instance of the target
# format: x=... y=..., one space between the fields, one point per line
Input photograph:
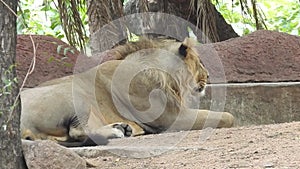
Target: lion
x=154 y=87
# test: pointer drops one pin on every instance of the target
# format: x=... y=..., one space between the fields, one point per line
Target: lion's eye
x=198 y=89
x=28 y=138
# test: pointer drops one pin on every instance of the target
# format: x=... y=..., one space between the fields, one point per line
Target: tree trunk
x=101 y=13
x=10 y=143
x=225 y=31
x=207 y=18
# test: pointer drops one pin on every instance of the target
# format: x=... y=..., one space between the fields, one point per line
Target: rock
x=48 y=154
x=262 y=56
x=54 y=59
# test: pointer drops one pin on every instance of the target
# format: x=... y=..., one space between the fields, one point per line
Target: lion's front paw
x=125 y=128
x=114 y=130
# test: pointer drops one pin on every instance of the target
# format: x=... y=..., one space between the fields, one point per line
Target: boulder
x=262 y=56
x=48 y=154
x=54 y=59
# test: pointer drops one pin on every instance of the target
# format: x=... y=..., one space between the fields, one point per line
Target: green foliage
x=42 y=18
x=283 y=16
x=8 y=83
x=61 y=61
x=64 y=50
x=240 y=20
x=279 y=15
x=38 y=18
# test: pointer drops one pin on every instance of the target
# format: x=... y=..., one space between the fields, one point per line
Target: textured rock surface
x=263 y=56
x=47 y=154
x=265 y=146
x=54 y=59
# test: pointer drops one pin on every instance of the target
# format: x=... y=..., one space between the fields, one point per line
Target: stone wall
x=255 y=103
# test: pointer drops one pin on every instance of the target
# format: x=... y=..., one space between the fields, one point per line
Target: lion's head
x=186 y=49
x=194 y=64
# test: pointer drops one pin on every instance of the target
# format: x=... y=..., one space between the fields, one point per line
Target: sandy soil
x=266 y=146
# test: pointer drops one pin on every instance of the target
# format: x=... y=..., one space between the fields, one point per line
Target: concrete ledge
x=128 y=151
x=255 y=103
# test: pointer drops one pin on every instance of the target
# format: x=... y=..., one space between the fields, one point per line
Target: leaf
x=68 y=64
x=191 y=33
x=64 y=58
x=131 y=36
x=58 y=49
x=66 y=50
x=51 y=59
x=60 y=36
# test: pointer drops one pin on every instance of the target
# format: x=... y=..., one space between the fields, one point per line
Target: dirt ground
x=265 y=146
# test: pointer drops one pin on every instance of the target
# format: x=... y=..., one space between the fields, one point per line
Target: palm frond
x=72 y=23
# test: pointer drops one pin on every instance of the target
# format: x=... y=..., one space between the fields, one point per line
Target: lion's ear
x=187 y=43
x=182 y=50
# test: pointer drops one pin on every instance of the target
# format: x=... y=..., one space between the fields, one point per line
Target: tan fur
x=90 y=96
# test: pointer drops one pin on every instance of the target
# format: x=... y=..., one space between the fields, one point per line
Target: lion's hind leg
x=28 y=134
x=77 y=136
